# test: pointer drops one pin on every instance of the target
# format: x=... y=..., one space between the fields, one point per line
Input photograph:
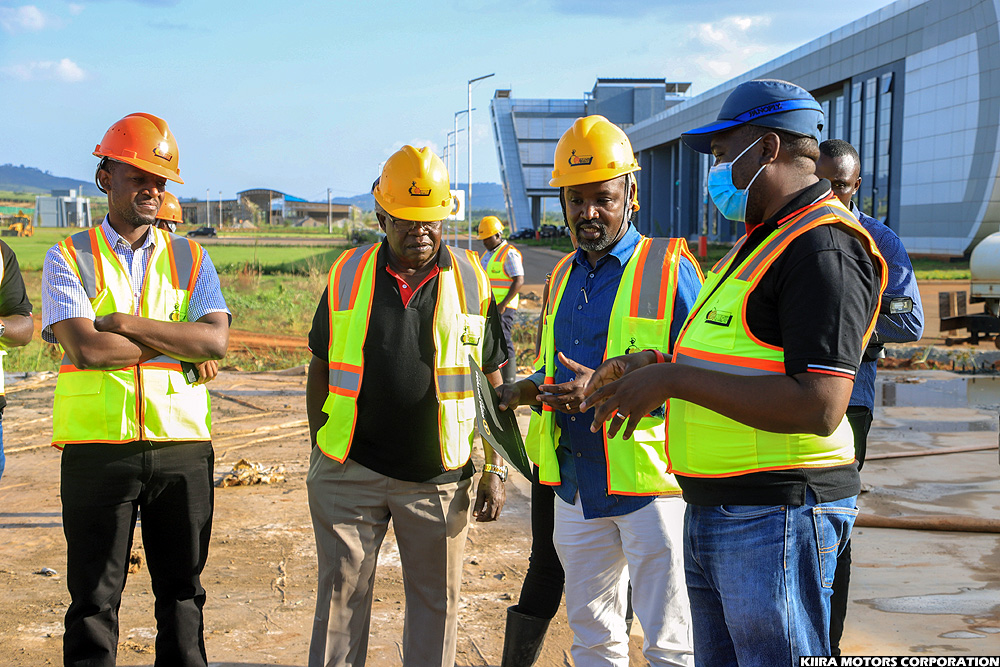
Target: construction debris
x=248 y=473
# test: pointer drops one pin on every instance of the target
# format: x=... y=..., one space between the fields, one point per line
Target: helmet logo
x=162 y=151
x=579 y=160
x=417 y=191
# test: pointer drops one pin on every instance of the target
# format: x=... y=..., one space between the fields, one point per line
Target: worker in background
x=900 y=320
x=759 y=387
x=391 y=413
x=502 y=263
x=169 y=215
x=16 y=324
x=130 y=305
x=167 y=219
x=618 y=515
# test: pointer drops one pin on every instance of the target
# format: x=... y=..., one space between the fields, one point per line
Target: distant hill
x=486 y=196
x=18 y=178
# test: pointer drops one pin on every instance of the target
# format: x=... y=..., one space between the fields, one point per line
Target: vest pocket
x=713 y=444
x=639 y=333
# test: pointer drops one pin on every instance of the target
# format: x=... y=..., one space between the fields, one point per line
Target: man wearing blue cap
x=759 y=386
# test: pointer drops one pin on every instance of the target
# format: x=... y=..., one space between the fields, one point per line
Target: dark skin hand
x=803 y=403
x=564 y=397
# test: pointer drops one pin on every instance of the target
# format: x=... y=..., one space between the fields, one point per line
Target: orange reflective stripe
x=728 y=363
x=640 y=263
x=345 y=379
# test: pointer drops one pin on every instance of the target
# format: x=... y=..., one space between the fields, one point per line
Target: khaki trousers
x=351 y=507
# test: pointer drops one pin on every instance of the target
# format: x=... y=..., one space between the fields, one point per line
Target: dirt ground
x=261 y=571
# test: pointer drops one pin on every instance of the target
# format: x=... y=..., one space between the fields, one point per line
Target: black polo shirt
x=815 y=302
x=13 y=298
x=396 y=433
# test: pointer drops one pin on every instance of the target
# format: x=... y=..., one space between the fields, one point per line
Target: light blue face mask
x=730 y=200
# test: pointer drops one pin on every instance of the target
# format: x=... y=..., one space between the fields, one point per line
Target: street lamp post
x=468 y=138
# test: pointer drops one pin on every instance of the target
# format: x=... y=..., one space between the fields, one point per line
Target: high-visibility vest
x=3 y=351
x=640 y=319
x=153 y=400
x=459 y=327
x=500 y=280
x=704 y=443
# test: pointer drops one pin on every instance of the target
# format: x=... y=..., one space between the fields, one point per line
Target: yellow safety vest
x=463 y=297
x=500 y=280
x=703 y=443
x=3 y=350
x=151 y=401
x=640 y=319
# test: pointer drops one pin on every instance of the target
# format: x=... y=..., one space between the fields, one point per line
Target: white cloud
x=64 y=70
x=75 y=9
x=729 y=46
x=27 y=18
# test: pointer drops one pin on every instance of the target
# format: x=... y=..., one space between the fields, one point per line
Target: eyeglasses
x=407 y=226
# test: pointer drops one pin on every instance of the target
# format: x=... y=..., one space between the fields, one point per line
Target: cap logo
x=162 y=151
x=579 y=160
x=766 y=109
x=417 y=191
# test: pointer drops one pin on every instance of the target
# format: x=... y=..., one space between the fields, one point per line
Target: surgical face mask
x=730 y=200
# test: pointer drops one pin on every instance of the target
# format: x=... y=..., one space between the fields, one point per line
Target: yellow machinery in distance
x=17 y=225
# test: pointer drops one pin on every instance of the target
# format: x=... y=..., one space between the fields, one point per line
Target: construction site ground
x=925 y=592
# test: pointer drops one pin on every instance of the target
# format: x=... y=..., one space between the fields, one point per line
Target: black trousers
x=509 y=371
x=860 y=419
x=104 y=488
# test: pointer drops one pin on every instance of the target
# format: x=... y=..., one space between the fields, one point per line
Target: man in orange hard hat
x=391 y=414
x=169 y=215
x=502 y=263
x=134 y=308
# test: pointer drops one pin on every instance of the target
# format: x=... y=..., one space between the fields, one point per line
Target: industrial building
x=914 y=86
x=63 y=208
x=527 y=130
x=264 y=206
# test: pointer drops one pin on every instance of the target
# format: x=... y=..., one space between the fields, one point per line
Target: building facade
x=526 y=132
x=915 y=87
x=63 y=208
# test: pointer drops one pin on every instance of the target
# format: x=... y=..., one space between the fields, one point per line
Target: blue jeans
x=760 y=578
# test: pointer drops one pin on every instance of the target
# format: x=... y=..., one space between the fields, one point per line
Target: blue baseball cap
x=765 y=102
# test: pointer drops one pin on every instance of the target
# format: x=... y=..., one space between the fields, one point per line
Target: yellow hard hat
x=170 y=209
x=591 y=151
x=489 y=226
x=414 y=185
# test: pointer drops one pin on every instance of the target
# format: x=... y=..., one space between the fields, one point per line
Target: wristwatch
x=3 y=328
x=499 y=471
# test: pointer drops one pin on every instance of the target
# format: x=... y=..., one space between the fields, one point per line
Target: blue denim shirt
x=581 y=332
x=898 y=328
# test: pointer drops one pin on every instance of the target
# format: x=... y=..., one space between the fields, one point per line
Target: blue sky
x=302 y=96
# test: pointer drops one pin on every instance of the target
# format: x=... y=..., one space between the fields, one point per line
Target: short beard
x=599 y=244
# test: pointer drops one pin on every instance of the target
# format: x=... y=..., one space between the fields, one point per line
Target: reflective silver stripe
x=85 y=258
x=162 y=359
x=556 y=279
x=350 y=272
x=766 y=250
x=470 y=284
x=649 y=282
x=346 y=380
x=682 y=358
x=729 y=255
x=183 y=255
x=448 y=384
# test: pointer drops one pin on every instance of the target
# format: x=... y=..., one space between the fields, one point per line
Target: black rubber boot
x=522 y=640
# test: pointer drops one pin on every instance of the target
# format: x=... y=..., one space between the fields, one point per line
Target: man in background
x=900 y=320
x=16 y=325
x=502 y=263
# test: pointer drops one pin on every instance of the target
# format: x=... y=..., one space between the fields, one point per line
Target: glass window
x=856 y=116
x=883 y=156
x=825 y=132
x=865 y=194
x=837 y=124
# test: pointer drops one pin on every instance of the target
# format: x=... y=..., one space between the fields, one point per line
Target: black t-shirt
x=815 y=302
x=13 y=298
x=396 y=433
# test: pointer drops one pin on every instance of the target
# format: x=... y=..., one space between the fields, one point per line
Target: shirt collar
x=622 y=251
x=855 y=210
x=114 y=238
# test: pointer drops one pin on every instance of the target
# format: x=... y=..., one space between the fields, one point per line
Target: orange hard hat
x=143 y=141
x=170 y=209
